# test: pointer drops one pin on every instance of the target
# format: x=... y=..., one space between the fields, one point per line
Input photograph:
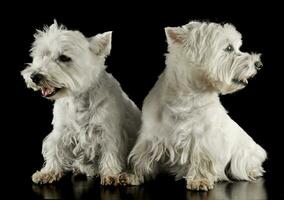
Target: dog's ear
x=100 y=44
x=175 y=35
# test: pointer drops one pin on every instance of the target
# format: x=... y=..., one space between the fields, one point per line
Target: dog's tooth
x=49 y=90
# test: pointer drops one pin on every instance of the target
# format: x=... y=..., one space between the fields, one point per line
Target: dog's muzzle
x=243 y=82
x=258 y=65
x=46 y=90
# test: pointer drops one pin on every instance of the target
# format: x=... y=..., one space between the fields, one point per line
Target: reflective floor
x=162 y=188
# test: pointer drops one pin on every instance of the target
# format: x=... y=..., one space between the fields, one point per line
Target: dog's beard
x=234 y=75
x=235 y=82
x=243 y=74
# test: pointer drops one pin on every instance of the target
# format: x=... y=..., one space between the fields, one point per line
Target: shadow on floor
x=162 y=188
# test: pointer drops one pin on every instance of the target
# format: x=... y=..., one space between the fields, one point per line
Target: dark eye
x=64 y=58
x=229 y=48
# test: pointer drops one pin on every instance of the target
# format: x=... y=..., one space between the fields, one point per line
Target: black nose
x=36 y=78
x=258 y=65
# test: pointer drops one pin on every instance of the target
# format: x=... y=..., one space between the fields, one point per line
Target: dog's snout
x=258 y=65
x=36 y=78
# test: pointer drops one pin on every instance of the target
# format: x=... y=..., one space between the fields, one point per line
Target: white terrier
x=185 y=129
x=95 y=124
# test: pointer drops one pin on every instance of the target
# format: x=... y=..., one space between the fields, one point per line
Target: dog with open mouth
x=95 y=123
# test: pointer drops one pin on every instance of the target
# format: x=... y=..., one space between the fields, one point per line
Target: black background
x=136 y=60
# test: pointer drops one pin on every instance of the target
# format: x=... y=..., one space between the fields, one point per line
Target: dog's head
x=65 y=61
x=211 y=52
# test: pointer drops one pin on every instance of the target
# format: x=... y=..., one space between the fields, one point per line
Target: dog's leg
x=201 y=174
x=111 y=163
x=54 y=165
x=199 y=179
x=245 y=156
x=246 y=162
x=143 y=159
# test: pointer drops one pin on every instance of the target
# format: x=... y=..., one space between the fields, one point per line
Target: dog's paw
x=199 y=184
x=40 y=177
x=109 y=180
x=128 y=179
x=255 y=173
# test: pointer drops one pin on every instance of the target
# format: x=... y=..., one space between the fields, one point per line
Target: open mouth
x=240 y=82
x=243 y=81
x=49 y=91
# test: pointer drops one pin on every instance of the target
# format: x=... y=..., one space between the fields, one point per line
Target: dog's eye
x=64 y=58
x=229 y=48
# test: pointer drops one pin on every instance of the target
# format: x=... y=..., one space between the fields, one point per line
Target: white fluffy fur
x=185 y=129
x=95 y=124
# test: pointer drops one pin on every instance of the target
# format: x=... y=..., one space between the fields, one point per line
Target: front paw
x=128 y=179
x=199 y=184
x=109 y=180
x=40 y=177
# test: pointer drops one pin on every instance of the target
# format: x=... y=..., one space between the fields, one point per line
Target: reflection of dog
x=95 y=123
x=184 y=125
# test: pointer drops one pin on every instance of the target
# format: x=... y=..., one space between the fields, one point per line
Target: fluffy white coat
x=95 y=124
x=185 y=129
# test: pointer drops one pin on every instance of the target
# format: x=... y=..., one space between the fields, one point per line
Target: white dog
x=95 y=124
x=185 y=129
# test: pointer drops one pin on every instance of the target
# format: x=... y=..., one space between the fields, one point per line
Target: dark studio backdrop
x=136 y=60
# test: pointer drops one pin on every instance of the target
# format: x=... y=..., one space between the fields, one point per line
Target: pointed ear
x=100 y=44
x=175 y=35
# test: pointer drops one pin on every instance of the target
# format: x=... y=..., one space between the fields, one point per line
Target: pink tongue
x=46 y=91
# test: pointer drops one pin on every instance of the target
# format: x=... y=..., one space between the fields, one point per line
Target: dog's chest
x=79 y=115
x=81 y=127
x=79 y=111
x=186 y=119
